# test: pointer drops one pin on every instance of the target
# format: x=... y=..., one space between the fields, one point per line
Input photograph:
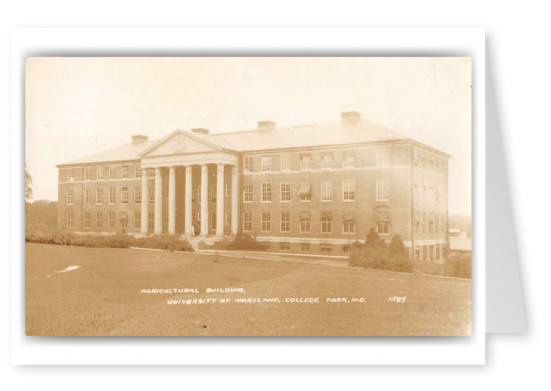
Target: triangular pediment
x=180 y=142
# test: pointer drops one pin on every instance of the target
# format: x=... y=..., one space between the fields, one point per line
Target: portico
x=195 y=187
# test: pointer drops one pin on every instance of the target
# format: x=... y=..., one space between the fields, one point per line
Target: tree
x=372 y=239
x=28 y=183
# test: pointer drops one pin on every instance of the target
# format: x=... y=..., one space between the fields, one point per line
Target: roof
x=121 y=153
x=313 y=135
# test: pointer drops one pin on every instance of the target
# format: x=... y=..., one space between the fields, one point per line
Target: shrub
x=119 y=240
x=459 y=265
x=376 y=254
x=245 y=242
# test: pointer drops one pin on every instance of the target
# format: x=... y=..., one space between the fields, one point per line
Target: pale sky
x=79 y=106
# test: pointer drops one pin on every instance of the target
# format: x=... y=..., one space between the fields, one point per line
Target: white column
x=220 y=200
x=158 y=201
x=234 y=199
x=172 y=200
x=204 y=200
x=187 y=209
x=145 y=201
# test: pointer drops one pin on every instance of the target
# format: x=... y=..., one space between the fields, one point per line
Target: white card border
x=258 y=350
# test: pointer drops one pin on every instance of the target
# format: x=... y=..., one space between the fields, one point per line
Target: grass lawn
x=104 y=296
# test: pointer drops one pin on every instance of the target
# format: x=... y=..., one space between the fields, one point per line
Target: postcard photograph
x=248 y=196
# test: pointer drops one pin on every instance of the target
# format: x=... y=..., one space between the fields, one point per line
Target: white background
x=517 y=39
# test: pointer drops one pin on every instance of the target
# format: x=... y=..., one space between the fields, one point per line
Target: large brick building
x=312 y=189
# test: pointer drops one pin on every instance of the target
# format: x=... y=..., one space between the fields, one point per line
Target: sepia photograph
x=248 y=196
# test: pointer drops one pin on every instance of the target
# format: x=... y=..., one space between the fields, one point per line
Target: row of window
x=429 y=223
x=432 y=252
x=110 y=223
x=111 y=172
x=326 y=248
x=326 y=193
x=305 y=223
x=429 y=161
x=306 y=161
x=124 y=222
x=110 y=195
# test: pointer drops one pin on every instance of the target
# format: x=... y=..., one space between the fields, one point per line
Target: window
x=88 y=173
x=150 y=172
x=285 y=222
x=306 y=162
x=111 y=195
x=285 y=162
x=266 y=163
x=416 y=192
x=87 y=196
x=198 y=216
x=137 y=220
x=348 y=189
x=348 y=161
x=99 y=196
x=151 y=197
x=382 y=216
x=70 y=175
x=125 y=172
x=248 y=164
x=284 y=246
x=70 y=219
x=228 y=189
x=304 y=222
x=285 y=191
x=383 y=157
x=247 y=194
x=326 y=160
x=437 y=253
x=346 y=249
x=137 y=195
x=416 y=223
x=150 y=220
x=137 y=171
x=325 y=248
x=415 y=158
x=437 y=225
x=213 y=220
x=431 y=223
x=266 y=222
x=69 y=196
x=305 y=191
x=213 y=193
x=327 y=190
x=111 y=220
x=87 y=223
x=247 y=221
x=382 y=189
x=305 y=247
x=99 y=220
x=124 y=220
x=112 y=172
x=383 y=227
x=124 y=195
x=226 y=218
x=349 y=224
x=266 y=192
x=326 y=223
x=424 y=223
x=100 y=173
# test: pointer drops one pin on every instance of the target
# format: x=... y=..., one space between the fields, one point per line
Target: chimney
x=349 y=117
x=200 y=130
x=266 y=125
x=138 y=139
